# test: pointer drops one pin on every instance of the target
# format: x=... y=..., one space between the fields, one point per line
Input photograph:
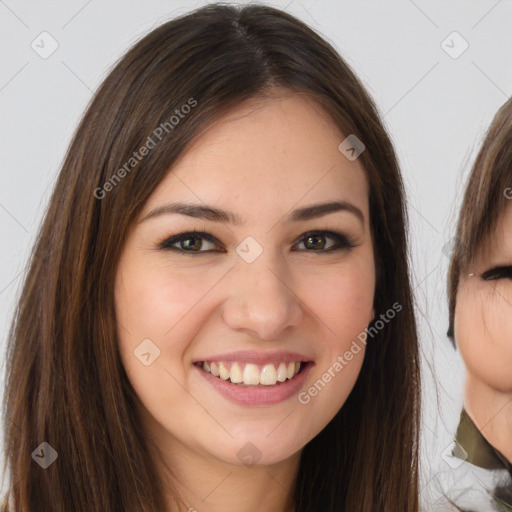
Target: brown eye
x=314 y=241
x=191 y=242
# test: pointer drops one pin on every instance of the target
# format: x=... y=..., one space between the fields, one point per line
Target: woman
x=250 y=375
x=480 y=307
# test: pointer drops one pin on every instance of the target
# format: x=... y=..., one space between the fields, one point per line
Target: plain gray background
x=436 y=107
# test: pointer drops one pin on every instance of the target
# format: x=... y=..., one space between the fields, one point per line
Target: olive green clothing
x=478 y=451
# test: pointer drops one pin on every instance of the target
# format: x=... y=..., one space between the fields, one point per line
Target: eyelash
x=504 y=272
x=343 y=242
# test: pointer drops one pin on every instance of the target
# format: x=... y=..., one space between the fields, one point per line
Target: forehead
x=276 y=149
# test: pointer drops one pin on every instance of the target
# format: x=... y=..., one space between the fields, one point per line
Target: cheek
x=345 y=300
x=483 y=331
x=152 y=301
x=347 y=305
x=151 y=309
x=344 y=304
x=148 y=305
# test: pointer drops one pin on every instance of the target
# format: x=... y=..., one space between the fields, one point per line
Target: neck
x=491 y=411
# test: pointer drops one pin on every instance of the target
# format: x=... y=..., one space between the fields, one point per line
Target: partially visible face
x=483 y=312
x=249 y=299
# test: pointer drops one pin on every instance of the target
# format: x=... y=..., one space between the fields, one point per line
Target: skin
x=483 y=330
x=262 y=160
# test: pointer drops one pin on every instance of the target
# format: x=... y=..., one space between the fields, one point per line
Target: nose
x=261 y=299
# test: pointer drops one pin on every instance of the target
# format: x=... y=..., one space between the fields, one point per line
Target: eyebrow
x=213 y=214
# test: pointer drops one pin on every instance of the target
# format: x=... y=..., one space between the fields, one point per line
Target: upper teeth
x=252 y=374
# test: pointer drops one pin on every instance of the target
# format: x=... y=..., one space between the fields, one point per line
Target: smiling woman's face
x=483 y=313
x=251 y=298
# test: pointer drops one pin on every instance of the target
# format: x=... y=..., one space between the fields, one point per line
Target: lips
x=255 y=378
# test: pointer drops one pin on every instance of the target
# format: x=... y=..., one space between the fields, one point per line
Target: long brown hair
x=488 y=192
x=65 y=381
